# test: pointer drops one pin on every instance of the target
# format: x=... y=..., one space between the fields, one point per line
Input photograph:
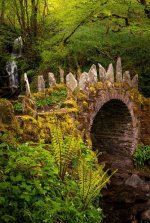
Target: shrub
x=18 y=107
x=56 y=97
x=32 y=190
x=53 y=183
x=141 y=155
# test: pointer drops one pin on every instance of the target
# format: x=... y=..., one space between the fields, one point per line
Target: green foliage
x=18 y=107
x=42 y=183
x=55 y=98
x=91 y=180
x=141 y=155
x=75 y=34
x=27 y=184
x=65 y=148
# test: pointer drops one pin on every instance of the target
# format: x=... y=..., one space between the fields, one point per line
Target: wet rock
x=134 y=181
x=146 y=215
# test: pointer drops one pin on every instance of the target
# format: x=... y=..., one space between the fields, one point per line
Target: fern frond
x=91 y=181
x=65 y=147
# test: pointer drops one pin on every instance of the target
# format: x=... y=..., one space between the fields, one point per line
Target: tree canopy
x=73 y=34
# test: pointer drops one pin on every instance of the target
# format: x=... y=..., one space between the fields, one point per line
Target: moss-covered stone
x=29 y=107
x=6 y=112
x=81 y=96
x=9 y=128
x=69 y=104
x=29 y=127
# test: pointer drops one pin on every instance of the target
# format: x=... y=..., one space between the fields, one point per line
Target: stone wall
x=112 y=130
x=145 y=122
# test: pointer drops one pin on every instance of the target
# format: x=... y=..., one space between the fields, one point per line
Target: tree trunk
x=2 y=11
x=33 y=19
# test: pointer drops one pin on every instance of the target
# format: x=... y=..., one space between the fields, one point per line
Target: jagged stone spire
x=127 y=78
x=84 y=81
x=102 y=72
x=62 y=76
x=41 y=83
x=119 y=70
x=52 y=80
x=110 y=73
x=28 y=92
x=71 y=82
x=135 y=81
x=93 y=74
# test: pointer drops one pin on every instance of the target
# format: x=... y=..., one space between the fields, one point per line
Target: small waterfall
x=11 y=66
x=17 y=48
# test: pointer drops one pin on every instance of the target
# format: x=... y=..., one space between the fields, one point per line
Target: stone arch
x=125 y=128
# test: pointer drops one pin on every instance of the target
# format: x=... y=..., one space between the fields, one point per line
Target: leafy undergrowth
x=141 y=156
x=53 y=97
x=55 y=183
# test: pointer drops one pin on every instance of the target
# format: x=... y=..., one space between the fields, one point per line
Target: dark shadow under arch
x=112 y=130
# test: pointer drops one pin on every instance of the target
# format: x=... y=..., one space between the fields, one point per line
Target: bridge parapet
x=93 y=90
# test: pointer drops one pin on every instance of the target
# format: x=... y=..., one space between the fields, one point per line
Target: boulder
x=134 y=181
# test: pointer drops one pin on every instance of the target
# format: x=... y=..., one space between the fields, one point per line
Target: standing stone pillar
x=52 y=80
x=41 y=83
x=62 y=76
x=127 y=78
x=102 y=73
x=28 y=92
x=110 y=73
x=135 y=81
x=84 y=82
x=71 y=82
x=93 y=75
x=119 y=70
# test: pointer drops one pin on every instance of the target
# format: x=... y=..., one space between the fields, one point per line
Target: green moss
x=69 y=104
x=101 y=85
x=30 y=128
x=9 y=128
x=29 y=107
x=92 y=90
x=81 y=96
x=6 y=112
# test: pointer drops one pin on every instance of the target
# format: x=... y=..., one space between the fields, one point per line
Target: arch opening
x=112 y=131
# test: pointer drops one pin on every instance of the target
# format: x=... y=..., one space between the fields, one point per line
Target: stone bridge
x=113 y=115
x=117 y=118
x=111 y=109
